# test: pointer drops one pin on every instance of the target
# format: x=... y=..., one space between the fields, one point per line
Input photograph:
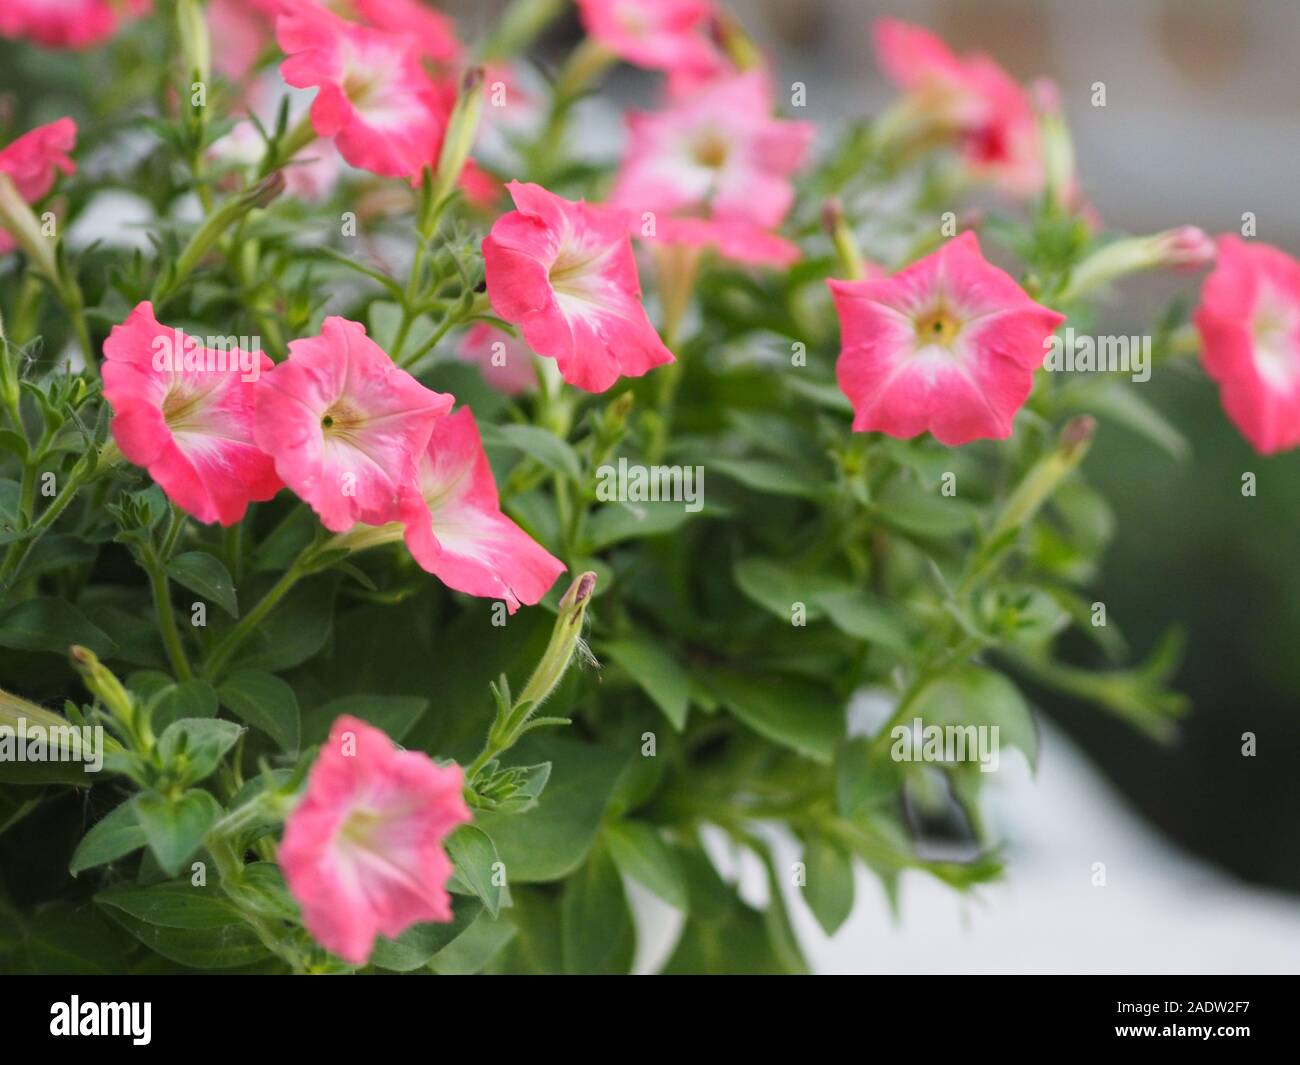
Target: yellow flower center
x=939 y=326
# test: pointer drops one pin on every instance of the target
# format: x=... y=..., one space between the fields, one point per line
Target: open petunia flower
x=385 y=114
x=363 y=851
x=32 y=161
x=344 y=425
x=1249 y=321
x=454 y=525
x=185 y=413
x=564 y=272
x=969 y=98
x=656 y=34
x=948 y=344
x=66 y=23
x=720 y=155
x=506 y=363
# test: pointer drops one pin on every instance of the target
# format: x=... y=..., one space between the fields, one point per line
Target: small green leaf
x=395 y=714
x=641 y=853
x=48 y=624
x=175 y=830
x=414 y=948
x=175 y=702
x=475 y=857
x=110 y=838
x=979 y=697
x=597 y=934
x=793 y=712
x=205 y=574
x=265 y=702
x=191 y=925
x=656 y=671
x=192 y=748
x=828 y=883
x=535 y=442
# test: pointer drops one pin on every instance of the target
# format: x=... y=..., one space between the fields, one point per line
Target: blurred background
x=1202 y=845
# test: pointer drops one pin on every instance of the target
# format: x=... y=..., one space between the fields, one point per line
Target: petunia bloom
x=1249 y=321
x=454 y=525
x=506 y=363
x=564 y=272
x=185 y=413
x=721 y=156
x=362 y=852
x=969 y=98
x=375 y=100
x=32 y=160
x=66 y=23
x=948 y=344
x=656 y=34
x=344 y=425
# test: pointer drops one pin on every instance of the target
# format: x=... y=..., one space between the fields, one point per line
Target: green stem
x=162 y=602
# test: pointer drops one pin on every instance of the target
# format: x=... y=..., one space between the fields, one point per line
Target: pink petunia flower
x=1249 y=321
x=385 y=114
x=969 y=98
x=720 y=155
x=32 y=161
x=507 y=364
x=454 y=525
x=948 y=344
x=185 y=413
x=656 y=34
x=344 y=425
x=363 y=851
x=565 y=274
x=66 y=23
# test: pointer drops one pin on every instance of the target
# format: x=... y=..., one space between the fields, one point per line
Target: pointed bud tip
x=1077 y=433
x=579 y=591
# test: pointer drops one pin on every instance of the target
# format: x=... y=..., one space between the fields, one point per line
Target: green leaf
x=191 y=925
x=774 y=478
x=616 y=522
x=865 y=775
x=597 y=934
x=415 y=947
x=475 y=857
x=640 y=852
x=11 y=516
x=540 y=444
x=174 y=702
x=192 y=748
x=861 y=616
x=796 y=713
x=296 y=630
x=110 y=838
x=551 y=840
x=474 y=948
x=48 y=624
x=656 y=671
x=205 y=574
x=265 y=702
x=828 y=883
x=909 y=507
x=777 y=588
x=175 y=830
x=979 y=697
x=395 y=714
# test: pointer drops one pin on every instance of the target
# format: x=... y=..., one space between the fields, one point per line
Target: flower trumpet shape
x=948 y=344
x=185 y=413
x=564 y=272
x=363 y=851
x=345 y=427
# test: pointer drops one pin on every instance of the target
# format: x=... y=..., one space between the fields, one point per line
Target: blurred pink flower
x=454 y=525
x=384 y=112
x=507 y=364
x=32 y=160
x=363 y=851
x=185 y=413
x=66 y=23
x=565 y=274
x=655 y=34
x=1249 y=321
x=345 y=426
x=948 y=344
x=969 y=98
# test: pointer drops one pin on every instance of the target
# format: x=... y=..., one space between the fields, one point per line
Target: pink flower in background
x=310 y=175
x=185 y=413
x=239 y=30
x=344 y=425
x=32 y=161
x=507 y=364
x=734 y=239
x=948 y=344
x=432 y=32
x=66 y=23
x=1249 y=321
x=375 y=100
x=565 y=274
x=719 y=155
x=656 y=34
x=363 y=851
x=969 y=98
x=482 y=189
x=454 y=525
